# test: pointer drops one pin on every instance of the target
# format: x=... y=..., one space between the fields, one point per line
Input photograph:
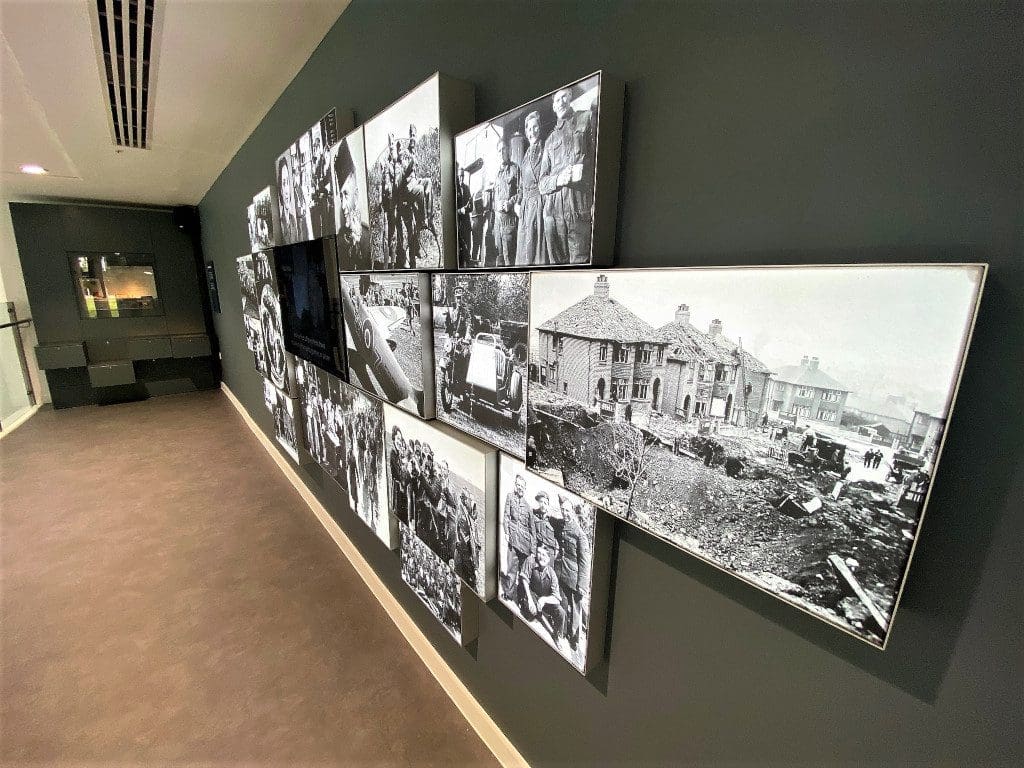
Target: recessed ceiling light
x=35 y=170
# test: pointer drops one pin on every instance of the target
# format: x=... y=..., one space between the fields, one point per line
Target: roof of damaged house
x=601 y=318
x=686 y=342
x=805 y=375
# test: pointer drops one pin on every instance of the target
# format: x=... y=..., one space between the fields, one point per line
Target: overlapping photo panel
x=439 y=588
x=441 y=485
x=480 y=355
x=273 y=361
x=305 y=183
x=287 y=424
x=344 y=431
x=733 y=412
x=387 y=319
x=537 y=186
x=250 y=304
x=554 y=551
x=410 y=184
x=264 y=224
x=351 y=210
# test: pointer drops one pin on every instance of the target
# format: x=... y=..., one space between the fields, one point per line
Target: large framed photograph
x=287 y=427
x=250 y=302
x=307 y=279
x=442 y=485
x=409 y=175
x=344 y=432
x=554 y=551
x=537 y=186
x=272 y=359
x=709 y=407
x=387 y=319
x=351 y=209
x=438 y=587
x=480 y=354
x=305 y=182
x=264 y=224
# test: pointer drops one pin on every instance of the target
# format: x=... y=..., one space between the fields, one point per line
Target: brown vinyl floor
x=167 y=598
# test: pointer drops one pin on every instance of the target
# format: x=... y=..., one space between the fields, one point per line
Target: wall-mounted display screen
x=116 y=285
x=307 y=279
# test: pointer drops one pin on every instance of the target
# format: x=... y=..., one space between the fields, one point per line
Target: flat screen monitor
x=307 y=280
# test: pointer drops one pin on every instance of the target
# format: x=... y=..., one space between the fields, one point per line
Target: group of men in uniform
x=306 y=188
x=423 y=498
x=547 y=561
x=436 y=584
x=406 y=203
x=538 y=211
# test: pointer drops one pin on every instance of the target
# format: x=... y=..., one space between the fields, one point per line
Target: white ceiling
x=219 y=65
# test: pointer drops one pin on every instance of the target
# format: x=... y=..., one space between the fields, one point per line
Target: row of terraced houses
x=600 y=353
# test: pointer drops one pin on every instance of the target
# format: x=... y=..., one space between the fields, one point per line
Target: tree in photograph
x=627 y=452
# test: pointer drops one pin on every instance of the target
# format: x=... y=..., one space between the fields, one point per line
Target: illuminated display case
x=116 y=285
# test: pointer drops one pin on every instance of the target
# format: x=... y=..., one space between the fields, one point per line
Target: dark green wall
x=755 y=133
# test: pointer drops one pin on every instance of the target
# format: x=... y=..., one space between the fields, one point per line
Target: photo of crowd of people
x=433 y=581
x=351 y=209
x=546 y=546
x=403 y=156
x=264 y=228
x=436 y=482
x=286 y=428
x=272 y=359
x=525 y=182
x=345 y=436
x=480 y=351
x=387 y=334
x=305 y=184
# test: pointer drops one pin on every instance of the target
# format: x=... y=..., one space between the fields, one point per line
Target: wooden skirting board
x=495 y=739
x=28 y=414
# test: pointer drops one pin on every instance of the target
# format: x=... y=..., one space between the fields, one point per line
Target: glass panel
x=116 y=285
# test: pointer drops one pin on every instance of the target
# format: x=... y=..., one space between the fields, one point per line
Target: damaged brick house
x=806 y=392
x=600 y=353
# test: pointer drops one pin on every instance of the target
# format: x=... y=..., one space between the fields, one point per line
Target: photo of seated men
x=525 y=182
x=441 y=509
x=545 y=545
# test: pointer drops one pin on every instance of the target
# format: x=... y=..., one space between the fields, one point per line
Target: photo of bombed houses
x=781 y=423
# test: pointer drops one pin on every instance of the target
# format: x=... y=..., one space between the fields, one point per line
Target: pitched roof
x=596 y=318
x=808 y=377
x=888 y=409
x=688 y=342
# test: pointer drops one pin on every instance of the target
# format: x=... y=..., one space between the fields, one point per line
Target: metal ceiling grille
x=126 y=43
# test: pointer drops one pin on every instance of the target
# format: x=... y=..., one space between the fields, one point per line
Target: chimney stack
x=716 y=327
x=601 y=287
x=813 y=365
x=683 y=313
x=803 y=361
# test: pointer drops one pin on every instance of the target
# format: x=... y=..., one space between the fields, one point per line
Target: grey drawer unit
x=106 y=350
x=197 y=345
x=112 y=374
x=53 y=356
x=149 y=348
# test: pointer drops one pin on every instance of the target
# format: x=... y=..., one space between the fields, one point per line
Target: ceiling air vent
x=125 y=45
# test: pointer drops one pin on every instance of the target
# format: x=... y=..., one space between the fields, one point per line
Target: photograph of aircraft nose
x=388 y=335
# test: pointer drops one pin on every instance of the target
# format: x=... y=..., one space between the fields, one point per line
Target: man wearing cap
x=506 y=195
x=353 y=232
x=572 y=566
x=517 y=520
x=465 y=547
x=540 y=597
x=530 y=234
x=463 y=203
x=566 y=183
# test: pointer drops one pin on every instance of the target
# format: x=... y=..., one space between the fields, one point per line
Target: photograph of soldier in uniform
x=351 y=211
x=480 y=350
x=286 y=427
x=433 y=581
x=526 y=182
x=387 y=332
x=273 y=360
x=437 y=481
x=728 y=411
x=345 y=436
x=403 y=158
x=305 y=183
x=547 y=545
x=264 y=225
x=247 y=285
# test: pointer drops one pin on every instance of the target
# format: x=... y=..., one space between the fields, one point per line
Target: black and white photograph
x=250 y=304
x=344 y=432
x=554 y=549
x=272 y=359
x=438 y=587
x=387 y=318
x=527 y=180
x=250 y=216
x=304 y=179
x=735 y=413
x=264 y=225
x=442 y=485
x=409 y=184
x=351 y=210
x=285 y=413
x=480 y=355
